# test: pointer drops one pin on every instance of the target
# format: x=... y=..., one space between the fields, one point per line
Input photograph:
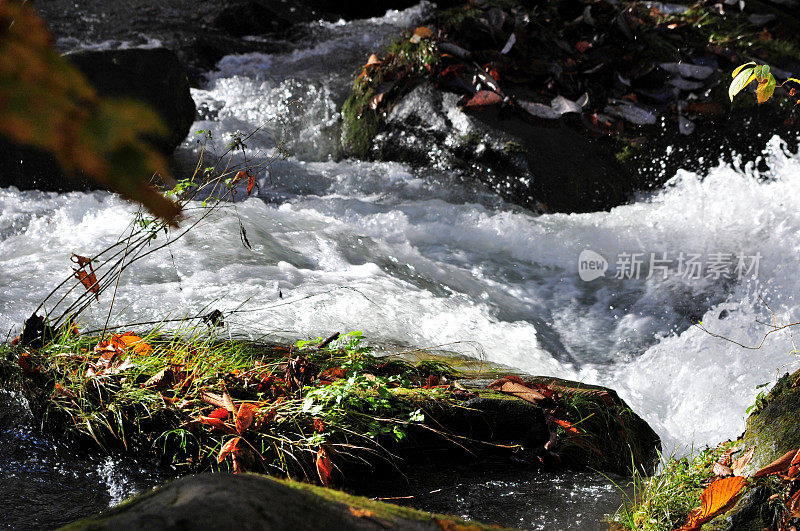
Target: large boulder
x=153 y=76
x=540 y=164
x=250 y=502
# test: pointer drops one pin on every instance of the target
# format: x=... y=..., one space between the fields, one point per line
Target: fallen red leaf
x=244 y=417
x=324 y=467
x=567 y=426
x=217 y=424
x=582 y=46
x=24 y=361
x=484 y=98
x=219 y=413
x=61 y=391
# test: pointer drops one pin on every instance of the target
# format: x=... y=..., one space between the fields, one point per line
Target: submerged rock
x=222 y=501
x=153 y=76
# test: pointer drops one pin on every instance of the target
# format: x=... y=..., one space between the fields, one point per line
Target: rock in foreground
x=245 y=502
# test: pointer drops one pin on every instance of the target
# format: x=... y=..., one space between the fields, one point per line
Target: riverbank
x=323 y=411
x=752 y=482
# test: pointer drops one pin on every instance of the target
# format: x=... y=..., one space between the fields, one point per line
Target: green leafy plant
x=760 y=398
x=745 y=74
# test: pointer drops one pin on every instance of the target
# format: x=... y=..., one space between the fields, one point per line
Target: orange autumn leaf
x=567 y=426
x=373 y=60
x=220 y=413
x=324 y=467
x=244 y=417
x=251 y=180
x=129 y=339
x=718 y=497
x=423 y=32
x=227 y=448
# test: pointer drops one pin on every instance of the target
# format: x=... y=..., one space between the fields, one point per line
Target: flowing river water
x=413 y=257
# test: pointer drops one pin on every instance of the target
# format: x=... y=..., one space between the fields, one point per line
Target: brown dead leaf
x=161 y=380
x=324 y=467
x=227 y=448
x=793 y=505
x=226 y=399
x=779 y=466
x=217 y=424
x=521 y=391
x=89 y=281
x=740 y=463
x=722 y=470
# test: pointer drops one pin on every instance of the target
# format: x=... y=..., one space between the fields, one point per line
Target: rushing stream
x=414 y=258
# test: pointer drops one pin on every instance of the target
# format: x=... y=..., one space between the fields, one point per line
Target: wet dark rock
x=609 y=104
x=250 y=502
x=153 y=76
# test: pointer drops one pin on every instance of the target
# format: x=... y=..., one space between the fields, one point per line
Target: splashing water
x=415 y=257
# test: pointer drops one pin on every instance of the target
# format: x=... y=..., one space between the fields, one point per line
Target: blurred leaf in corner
x=46 y=102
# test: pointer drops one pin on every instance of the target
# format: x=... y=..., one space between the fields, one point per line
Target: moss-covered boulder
x=251 y=502
x=774 y=427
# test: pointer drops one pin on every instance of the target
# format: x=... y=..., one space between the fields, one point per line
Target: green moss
x=360 y=123
x=772 y=428
x=513 y=147
x=404 y=62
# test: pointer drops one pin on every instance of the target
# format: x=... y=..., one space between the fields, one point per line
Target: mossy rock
x=773 y=430
x=773 y=427
x=252 y=502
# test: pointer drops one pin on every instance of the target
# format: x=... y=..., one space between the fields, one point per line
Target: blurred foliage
x=47 y=103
